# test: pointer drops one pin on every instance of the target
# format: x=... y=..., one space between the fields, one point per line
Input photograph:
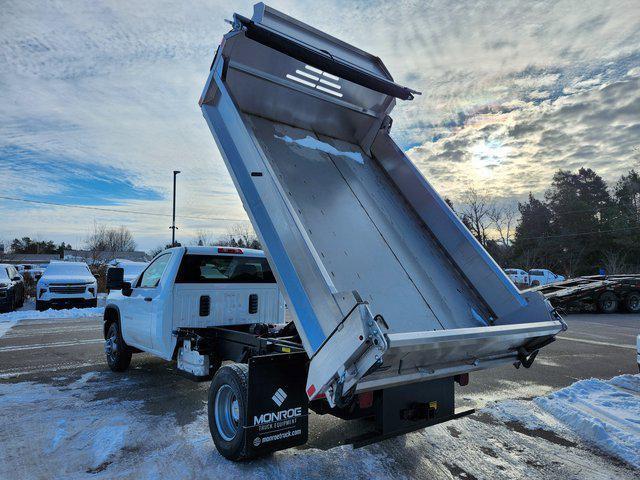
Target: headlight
x=4 y=285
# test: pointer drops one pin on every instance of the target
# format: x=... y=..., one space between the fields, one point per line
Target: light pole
x=173 y=224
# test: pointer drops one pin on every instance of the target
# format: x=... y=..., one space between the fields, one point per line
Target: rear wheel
x=41 y=306
x=228 y=396
x=608 y=303
x=632 y=302
x=118 y=353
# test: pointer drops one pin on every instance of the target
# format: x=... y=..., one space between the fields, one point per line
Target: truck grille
x=70 y=289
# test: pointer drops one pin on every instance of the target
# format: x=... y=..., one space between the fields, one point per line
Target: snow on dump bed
x=604 y=413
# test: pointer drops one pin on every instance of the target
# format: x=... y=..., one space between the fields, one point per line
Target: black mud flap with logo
x=277 y=406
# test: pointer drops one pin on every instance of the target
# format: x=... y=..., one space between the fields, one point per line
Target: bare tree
x=103 y=239
x=240 y=235
x=613 y=262
x=474 y=213
x=503 y=218
x=204 y=238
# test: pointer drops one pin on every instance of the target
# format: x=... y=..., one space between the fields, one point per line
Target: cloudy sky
x=99 y=102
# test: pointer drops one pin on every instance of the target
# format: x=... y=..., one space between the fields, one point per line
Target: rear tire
x=117 y=352
x=632 y=302
x=41 y=306
x=228 y=396
x=608 y=303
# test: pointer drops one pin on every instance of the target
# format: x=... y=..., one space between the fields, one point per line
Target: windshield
x=133 y=268
x=3 y=274
x=511 y=271
x=224 y=268
x=536 y=272
x=80 y=269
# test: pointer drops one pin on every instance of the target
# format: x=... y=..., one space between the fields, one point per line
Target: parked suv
x=66 y=284
x=540 y=276
x=11 y=288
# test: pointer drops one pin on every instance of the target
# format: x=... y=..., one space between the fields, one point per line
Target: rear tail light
x=230 y=250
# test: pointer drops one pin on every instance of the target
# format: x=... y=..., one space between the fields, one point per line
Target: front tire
x=227 y=406
x=41 y=306
x=92 y=303
x=117 y=352
x=608 y=303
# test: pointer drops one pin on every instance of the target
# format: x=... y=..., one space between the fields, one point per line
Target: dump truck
x=392 y=299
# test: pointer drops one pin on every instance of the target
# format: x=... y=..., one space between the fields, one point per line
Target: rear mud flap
x=277 y=406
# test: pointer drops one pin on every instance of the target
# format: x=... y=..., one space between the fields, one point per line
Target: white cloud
x=512 y=85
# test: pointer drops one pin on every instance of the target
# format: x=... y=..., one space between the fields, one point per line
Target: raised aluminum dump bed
x=387 y=285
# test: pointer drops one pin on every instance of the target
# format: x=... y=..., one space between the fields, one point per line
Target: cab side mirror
x=126 y=289
x=115 y=278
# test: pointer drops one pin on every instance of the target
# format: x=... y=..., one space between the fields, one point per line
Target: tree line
x=580 y=226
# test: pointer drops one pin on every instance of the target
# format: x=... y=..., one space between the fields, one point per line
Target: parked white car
x=132 y=270
x=541 y=276
x=66 y=284
x=517 y=276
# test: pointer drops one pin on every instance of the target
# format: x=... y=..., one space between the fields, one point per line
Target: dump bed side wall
x=312 y=299
x=475 y=263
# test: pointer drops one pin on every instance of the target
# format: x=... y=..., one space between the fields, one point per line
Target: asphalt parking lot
x=59 y=354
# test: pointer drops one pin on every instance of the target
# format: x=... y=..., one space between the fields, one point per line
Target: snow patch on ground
x=83 y=429
x=604 y=413
x=315 y=144
x=8 y=320
x=508 y=390
x=525 y=413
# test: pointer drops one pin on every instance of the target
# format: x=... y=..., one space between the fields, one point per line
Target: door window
x=152 y=275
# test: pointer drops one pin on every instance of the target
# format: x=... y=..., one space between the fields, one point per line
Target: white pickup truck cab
x=518 y=276
x=66 y=284
x=540 y=276
x=187 y=287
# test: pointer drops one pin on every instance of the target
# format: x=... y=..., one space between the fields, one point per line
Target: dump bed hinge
x=355 y=346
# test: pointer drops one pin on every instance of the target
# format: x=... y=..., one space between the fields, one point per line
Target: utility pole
x=173 y=224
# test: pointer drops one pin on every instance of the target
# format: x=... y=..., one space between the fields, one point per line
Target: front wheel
x=41 y=306
x=118 y=353
x=608 y=303
x=228 y=396
x=92 y=303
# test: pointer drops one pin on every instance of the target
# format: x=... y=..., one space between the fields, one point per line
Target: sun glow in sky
x=98 y=102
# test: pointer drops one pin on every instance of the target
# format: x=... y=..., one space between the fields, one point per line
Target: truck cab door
x=145 y=304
